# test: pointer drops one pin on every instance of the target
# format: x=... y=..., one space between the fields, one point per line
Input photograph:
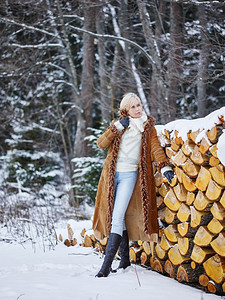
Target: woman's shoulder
x=150 y=122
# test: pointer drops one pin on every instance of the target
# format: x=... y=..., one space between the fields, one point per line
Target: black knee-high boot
x=112 y=247
x=124 y=251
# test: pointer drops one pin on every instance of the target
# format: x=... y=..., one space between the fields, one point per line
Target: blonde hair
x=127 y=101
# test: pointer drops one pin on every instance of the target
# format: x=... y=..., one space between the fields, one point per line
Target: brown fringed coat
x=141 y=215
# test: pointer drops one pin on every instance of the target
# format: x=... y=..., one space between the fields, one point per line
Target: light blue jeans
x=124 y=186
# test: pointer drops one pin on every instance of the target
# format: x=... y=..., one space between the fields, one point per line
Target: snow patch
x=184 y=126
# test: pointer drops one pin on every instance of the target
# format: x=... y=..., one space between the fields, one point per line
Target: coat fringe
x=143 y=174
x=112 y=170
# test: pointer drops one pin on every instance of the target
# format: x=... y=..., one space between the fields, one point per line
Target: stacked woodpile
x=191 y=210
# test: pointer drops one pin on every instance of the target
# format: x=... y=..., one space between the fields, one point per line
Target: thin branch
x=6 y=20
x=54 y=66
x=67 y=83
x=109 y=36
x=40 y=46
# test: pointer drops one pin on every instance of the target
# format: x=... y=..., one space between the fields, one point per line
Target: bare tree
x=106 y=108
x=203 y=62
x=175 y=57
x=158 y=88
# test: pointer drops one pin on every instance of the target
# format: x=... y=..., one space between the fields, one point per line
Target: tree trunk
x=104 y=82
x=175 y=57
x=203 y=62
x=87 y=81
x=158 y=99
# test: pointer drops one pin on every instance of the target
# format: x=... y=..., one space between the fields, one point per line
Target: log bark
x=67 y=243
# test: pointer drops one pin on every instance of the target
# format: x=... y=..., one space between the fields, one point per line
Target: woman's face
x=135 y=110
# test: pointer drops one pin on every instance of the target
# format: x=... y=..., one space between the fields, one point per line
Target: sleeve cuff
x=118 y=125
x=166 y=168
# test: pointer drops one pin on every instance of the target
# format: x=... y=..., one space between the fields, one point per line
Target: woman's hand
x=125 y=122
x=169 y=175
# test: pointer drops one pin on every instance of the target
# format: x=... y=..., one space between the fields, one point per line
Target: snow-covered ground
x=29 y=273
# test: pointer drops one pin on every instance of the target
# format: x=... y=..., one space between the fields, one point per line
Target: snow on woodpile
x=201 y=127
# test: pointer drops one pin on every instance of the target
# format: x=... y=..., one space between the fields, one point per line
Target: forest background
x=64 y=66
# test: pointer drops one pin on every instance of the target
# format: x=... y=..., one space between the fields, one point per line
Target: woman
x=125 y=206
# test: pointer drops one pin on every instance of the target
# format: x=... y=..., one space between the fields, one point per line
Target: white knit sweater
x=130 y=146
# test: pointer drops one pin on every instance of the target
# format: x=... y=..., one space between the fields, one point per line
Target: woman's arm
x=108 y=136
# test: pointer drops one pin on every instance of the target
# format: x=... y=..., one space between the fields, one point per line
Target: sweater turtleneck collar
x=138 y=122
